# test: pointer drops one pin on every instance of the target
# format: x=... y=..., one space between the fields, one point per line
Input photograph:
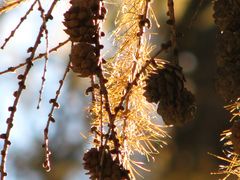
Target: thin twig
x=17 y=94
x=47 y=164
x=18 y=25
x=13 y=69
x=46 y=56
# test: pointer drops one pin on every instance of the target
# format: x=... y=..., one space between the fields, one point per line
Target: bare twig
x=46 y=56
x=17 y=94
x=18 y=25
x=47 y=164
x=13 y=69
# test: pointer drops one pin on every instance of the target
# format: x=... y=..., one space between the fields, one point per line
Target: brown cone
x=80 y=24
x=164 y=85
x=83 y=59
x=81 y=20
x=110 y=169
x=179 y=113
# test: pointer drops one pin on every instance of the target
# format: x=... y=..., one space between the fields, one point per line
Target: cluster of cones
x=165 y=86
x=83 y=26
x=100 y=165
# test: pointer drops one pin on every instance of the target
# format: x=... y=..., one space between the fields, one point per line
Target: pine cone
x=80 y=24
x=111 y=169
x=164 y=85
x=180 y=112
x=80 y=20
x=83 y=59
x=235 y=136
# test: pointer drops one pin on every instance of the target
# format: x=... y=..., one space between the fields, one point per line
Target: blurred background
x=186 y=155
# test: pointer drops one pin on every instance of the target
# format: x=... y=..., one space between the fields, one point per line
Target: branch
x=17 y=94
x=19 y=24
x=13 y=69
x=47 y=164
x=46 y=54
